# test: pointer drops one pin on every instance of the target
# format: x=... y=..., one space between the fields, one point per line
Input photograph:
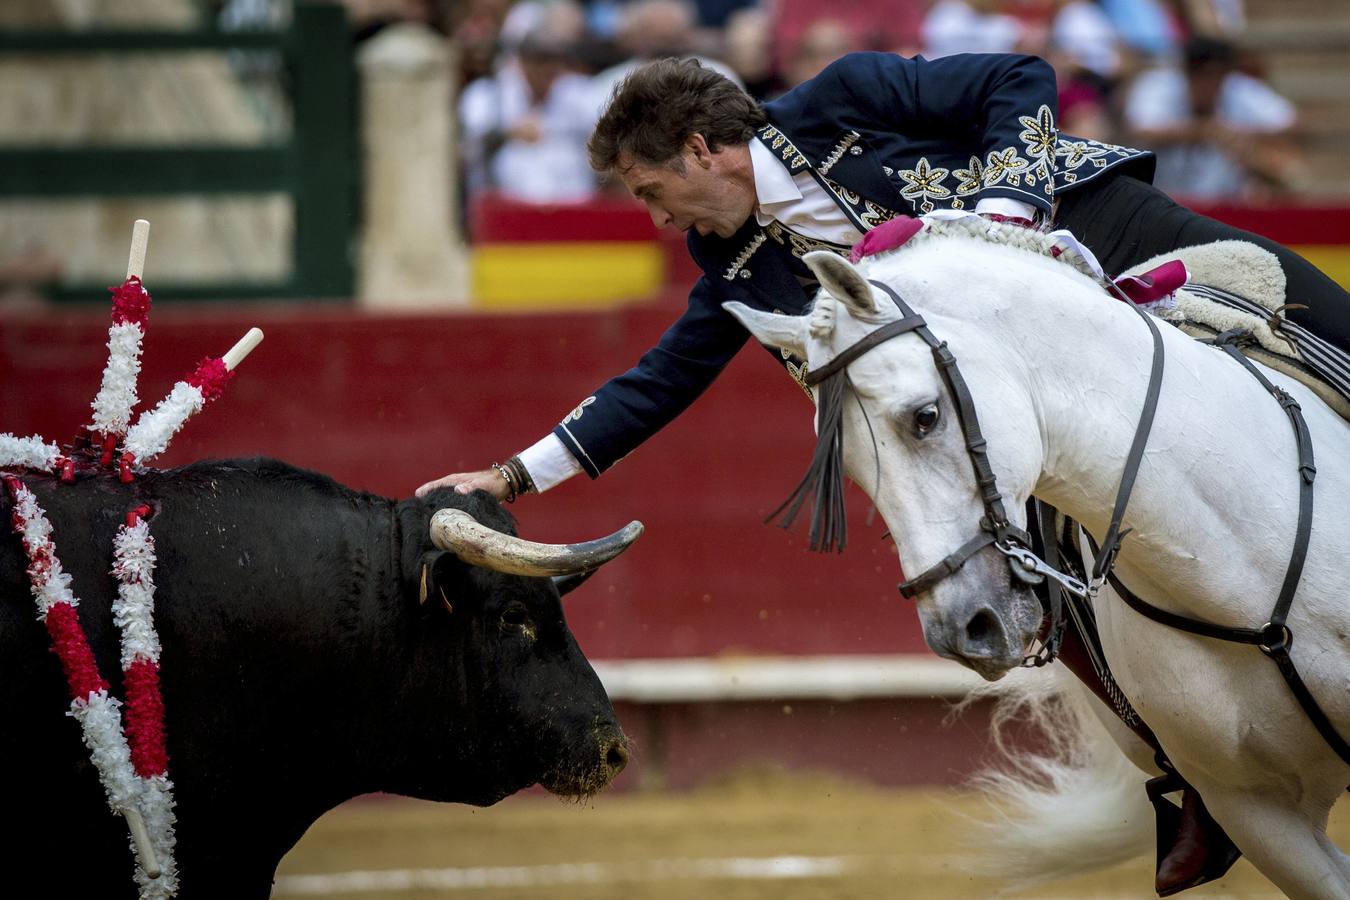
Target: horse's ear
x=775 y=330
x=844 y=282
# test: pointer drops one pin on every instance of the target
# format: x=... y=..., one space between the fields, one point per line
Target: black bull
x=316 y=646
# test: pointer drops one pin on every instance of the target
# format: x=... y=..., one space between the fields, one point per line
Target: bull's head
x=528 y=706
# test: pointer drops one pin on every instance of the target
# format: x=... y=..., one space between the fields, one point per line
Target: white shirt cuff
x=1005 y=206
x=549 y=463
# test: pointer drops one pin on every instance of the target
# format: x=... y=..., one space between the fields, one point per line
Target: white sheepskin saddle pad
x=1236 y=284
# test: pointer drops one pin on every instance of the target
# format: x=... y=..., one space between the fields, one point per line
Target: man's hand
x=489 y=480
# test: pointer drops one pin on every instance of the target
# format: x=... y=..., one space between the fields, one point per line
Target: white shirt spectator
x=1160 y=99
x=1083 y=32
x=954 y=26
x=552 y=169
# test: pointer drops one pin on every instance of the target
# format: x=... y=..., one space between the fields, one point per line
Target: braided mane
x=1028 y=239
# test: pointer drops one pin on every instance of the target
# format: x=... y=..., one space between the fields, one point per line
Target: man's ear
x=697 y=148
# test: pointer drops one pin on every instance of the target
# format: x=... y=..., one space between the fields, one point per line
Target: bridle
x=1275 y=638
x=994 y=527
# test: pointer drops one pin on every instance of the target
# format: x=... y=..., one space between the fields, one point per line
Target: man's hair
x=658 y=106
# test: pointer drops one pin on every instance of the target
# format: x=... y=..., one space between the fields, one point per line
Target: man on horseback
x=873 y=136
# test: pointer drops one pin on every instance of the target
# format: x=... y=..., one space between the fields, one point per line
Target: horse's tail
x=1075 y=804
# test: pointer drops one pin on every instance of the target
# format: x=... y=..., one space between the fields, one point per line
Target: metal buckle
x=1275 y=638
x=1030 y=562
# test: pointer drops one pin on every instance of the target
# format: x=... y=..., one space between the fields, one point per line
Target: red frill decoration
x=71 y=646
x=145 y=719
x=131 y=302
x=210 y=378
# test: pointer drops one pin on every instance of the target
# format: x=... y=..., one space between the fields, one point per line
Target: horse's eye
x=926 y=419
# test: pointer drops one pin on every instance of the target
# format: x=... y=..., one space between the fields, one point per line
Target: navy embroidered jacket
x=886 y=135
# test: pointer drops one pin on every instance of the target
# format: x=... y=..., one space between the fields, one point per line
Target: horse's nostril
x=981 y=626
x=616 y=757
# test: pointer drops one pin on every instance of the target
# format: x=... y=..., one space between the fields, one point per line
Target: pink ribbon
x=1153 y=285
x=886 y=236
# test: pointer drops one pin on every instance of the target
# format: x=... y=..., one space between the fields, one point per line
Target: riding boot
x=1193 y=849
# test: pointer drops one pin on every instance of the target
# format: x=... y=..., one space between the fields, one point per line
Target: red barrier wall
x=383 y=404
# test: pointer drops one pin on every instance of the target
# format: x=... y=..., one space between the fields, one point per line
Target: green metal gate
x=317 y=167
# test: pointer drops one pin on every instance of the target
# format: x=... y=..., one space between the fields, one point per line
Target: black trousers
x=1126 y=221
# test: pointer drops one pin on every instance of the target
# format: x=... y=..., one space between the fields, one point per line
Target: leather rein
x=1274 y=638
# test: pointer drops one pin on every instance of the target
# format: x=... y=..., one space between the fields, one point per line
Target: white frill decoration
x=117 y=395
x=28 y=453
x=133 y=613
x=151 y=434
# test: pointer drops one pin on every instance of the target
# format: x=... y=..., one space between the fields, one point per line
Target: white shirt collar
x=773 y=183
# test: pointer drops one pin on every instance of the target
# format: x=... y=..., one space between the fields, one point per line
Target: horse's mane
x=1030 y=240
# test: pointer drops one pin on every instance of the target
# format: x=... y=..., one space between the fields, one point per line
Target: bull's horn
x=459 y=533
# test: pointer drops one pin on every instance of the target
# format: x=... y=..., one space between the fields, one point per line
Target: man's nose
x=660 y=218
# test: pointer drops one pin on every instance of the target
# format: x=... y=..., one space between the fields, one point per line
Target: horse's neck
x=1214 y=430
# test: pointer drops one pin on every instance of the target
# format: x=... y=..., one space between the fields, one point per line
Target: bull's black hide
x=298 y=670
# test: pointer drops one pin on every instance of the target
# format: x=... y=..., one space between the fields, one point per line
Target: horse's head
x=905 y=443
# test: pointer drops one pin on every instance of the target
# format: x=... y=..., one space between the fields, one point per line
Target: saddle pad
x=1236 y=284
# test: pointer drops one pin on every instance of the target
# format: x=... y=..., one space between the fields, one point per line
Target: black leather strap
x=883 y=334
x=1274 y=638
x=949 y=565
x=1111 y=542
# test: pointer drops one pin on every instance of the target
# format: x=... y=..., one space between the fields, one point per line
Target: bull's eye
x=515 y=618
x=926 y=419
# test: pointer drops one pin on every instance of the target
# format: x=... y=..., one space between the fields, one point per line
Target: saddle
x=1238 y=285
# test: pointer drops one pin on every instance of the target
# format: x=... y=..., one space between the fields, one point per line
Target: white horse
x=1058 y=371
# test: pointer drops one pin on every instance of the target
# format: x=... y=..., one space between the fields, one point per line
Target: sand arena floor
x=756 y=836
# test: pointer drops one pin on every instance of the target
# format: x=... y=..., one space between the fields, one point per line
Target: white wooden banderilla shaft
x=141 y=838
x=140 y=238
x=242 y=348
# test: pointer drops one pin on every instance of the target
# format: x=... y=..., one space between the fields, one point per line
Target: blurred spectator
x=1082 y=45
x=1218 y=133
x=1143 y=25
x=652 y=29
x=476 y=36
x=1218 y=19
x=968 y=26
x=824 y=41
x=563 y=21
x=1083 y=33
x=747 y=47
x=525 y=128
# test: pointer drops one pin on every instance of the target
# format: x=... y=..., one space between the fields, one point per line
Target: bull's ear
x=845 y=283
x=772 y=329
x=436 y=577
x=568 y=583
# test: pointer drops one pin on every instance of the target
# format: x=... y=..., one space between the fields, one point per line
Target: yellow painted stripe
x=1332 y=259
x=573 y=275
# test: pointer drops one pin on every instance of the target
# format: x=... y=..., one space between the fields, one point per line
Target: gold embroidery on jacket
x=738 y=265
x=838 y=152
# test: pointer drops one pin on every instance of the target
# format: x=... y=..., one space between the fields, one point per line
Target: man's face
x=713 y=195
